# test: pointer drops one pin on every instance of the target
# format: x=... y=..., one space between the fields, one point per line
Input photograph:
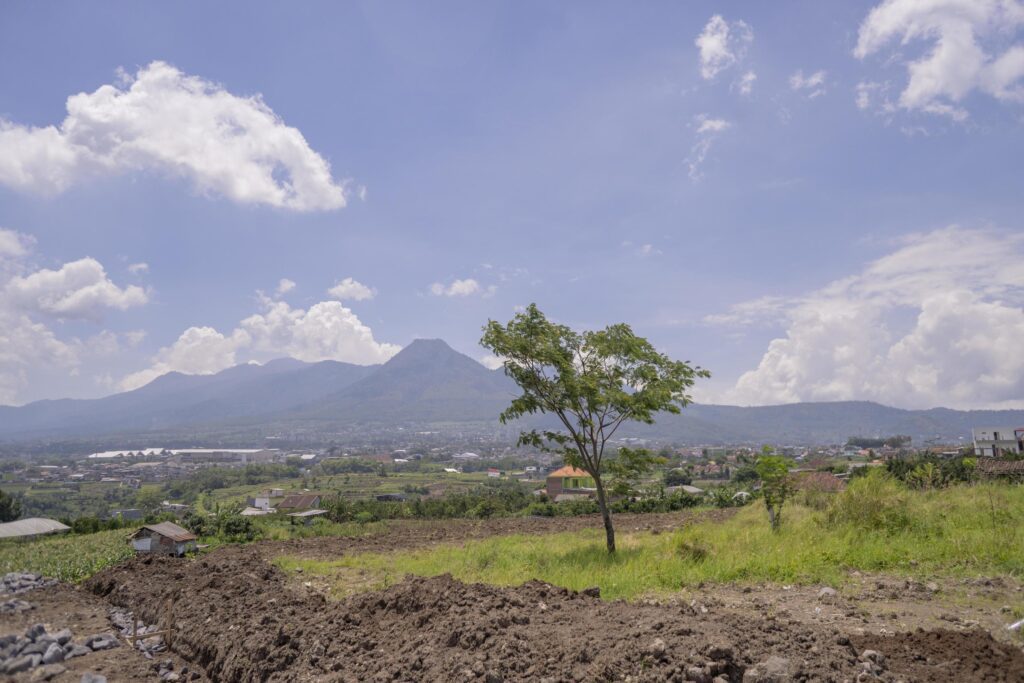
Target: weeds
x=875 y=525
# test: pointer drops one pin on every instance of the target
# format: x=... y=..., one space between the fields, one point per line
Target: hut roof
x=170 y=530
x=33 y=526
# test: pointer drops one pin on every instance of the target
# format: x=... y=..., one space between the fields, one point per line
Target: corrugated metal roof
x=33 y=526
x=308 y=513
x=299 y=501
x=171 y=531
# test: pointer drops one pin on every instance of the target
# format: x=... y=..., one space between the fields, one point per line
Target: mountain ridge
x=428 y=382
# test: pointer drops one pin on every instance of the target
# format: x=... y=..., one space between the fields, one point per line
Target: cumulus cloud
x=284 y=285
x=164 y=120
x=744 y=85
x=138 y=268
x=79 y=289
x=969 y=51
x=26 y=344
x=812 y=85
x=708 y=130
x=198 y=351
x=326 y=331
x=464 y=287
x=932 y=323
x=14 y=244
x=351 y=290
x=491 y=362
x=721 y=45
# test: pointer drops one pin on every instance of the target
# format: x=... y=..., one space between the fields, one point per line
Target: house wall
x=991 y=441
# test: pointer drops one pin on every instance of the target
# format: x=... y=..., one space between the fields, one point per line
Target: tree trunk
x=606 y=515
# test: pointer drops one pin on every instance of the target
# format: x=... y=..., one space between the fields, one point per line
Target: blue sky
x=815 y=200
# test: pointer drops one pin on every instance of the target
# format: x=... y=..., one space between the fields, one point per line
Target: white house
x=995 y=441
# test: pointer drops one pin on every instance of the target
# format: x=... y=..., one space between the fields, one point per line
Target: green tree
x=593 y=382
x=10 y=507
x=776 y=486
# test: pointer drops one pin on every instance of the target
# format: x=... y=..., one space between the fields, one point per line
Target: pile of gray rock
x=43 y=653
x=15 y=606
x=19 y=582
x=122 y=619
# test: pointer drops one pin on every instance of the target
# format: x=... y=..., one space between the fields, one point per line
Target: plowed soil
x=242 y=619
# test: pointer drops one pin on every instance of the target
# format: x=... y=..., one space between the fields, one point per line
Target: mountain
x=178 y=400
x=429 y=383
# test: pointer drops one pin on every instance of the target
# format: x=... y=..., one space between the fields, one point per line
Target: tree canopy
x=593 y=382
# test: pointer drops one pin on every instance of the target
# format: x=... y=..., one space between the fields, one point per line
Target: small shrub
x=364 y=517
x=693 y=549
x=873 y=502
x=540 y=510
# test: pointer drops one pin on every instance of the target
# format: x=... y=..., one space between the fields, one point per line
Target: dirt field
x=240 y=618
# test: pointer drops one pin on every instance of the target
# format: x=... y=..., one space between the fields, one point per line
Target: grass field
x=873 y=527
x=68 y=558
x=354 y=485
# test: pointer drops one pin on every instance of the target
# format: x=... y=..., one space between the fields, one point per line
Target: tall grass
x=68 y=558
x=875 y=525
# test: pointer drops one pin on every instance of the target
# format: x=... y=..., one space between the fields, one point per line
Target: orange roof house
x=569 y=482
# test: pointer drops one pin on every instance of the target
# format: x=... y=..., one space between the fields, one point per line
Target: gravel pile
x=19 y=582
x=15 y=606
x=43 y=653
x=122 y=619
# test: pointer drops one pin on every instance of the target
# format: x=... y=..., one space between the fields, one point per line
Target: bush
x=365 y=517
x=540 y=510
x=873 y=502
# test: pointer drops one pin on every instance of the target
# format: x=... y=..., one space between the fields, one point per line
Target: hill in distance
x=429 y=383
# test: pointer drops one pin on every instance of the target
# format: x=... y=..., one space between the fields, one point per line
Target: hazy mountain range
x=428 y=383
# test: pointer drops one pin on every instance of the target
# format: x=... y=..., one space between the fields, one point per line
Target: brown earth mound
x=241 y=620
x=944 y=655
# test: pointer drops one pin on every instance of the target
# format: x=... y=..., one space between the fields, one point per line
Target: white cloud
x=745 y=83
x=165 y=120
x=708 y=130
x=138 y=268
x=79 y=289
x=14 y=244
x=491 y=362
x=722 y=44
x=25 y=345
x=641 y=249
x=464 y=287
x=284 y=285
x=351 y=290
x=326 y=331
x=812 y=85
x=198 y=351
x=963 y=34
x=936 y=322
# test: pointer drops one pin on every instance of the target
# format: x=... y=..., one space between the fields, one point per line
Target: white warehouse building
x=995 y=441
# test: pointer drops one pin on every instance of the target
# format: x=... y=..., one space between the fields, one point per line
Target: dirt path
x=242 y=619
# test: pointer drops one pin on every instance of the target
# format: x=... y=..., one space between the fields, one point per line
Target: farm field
x=915 y=575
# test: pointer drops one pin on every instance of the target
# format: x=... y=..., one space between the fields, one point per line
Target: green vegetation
x=877 y=524
x=10 y=507
x=776 y=486
x=68 y=558
x=593 y=382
